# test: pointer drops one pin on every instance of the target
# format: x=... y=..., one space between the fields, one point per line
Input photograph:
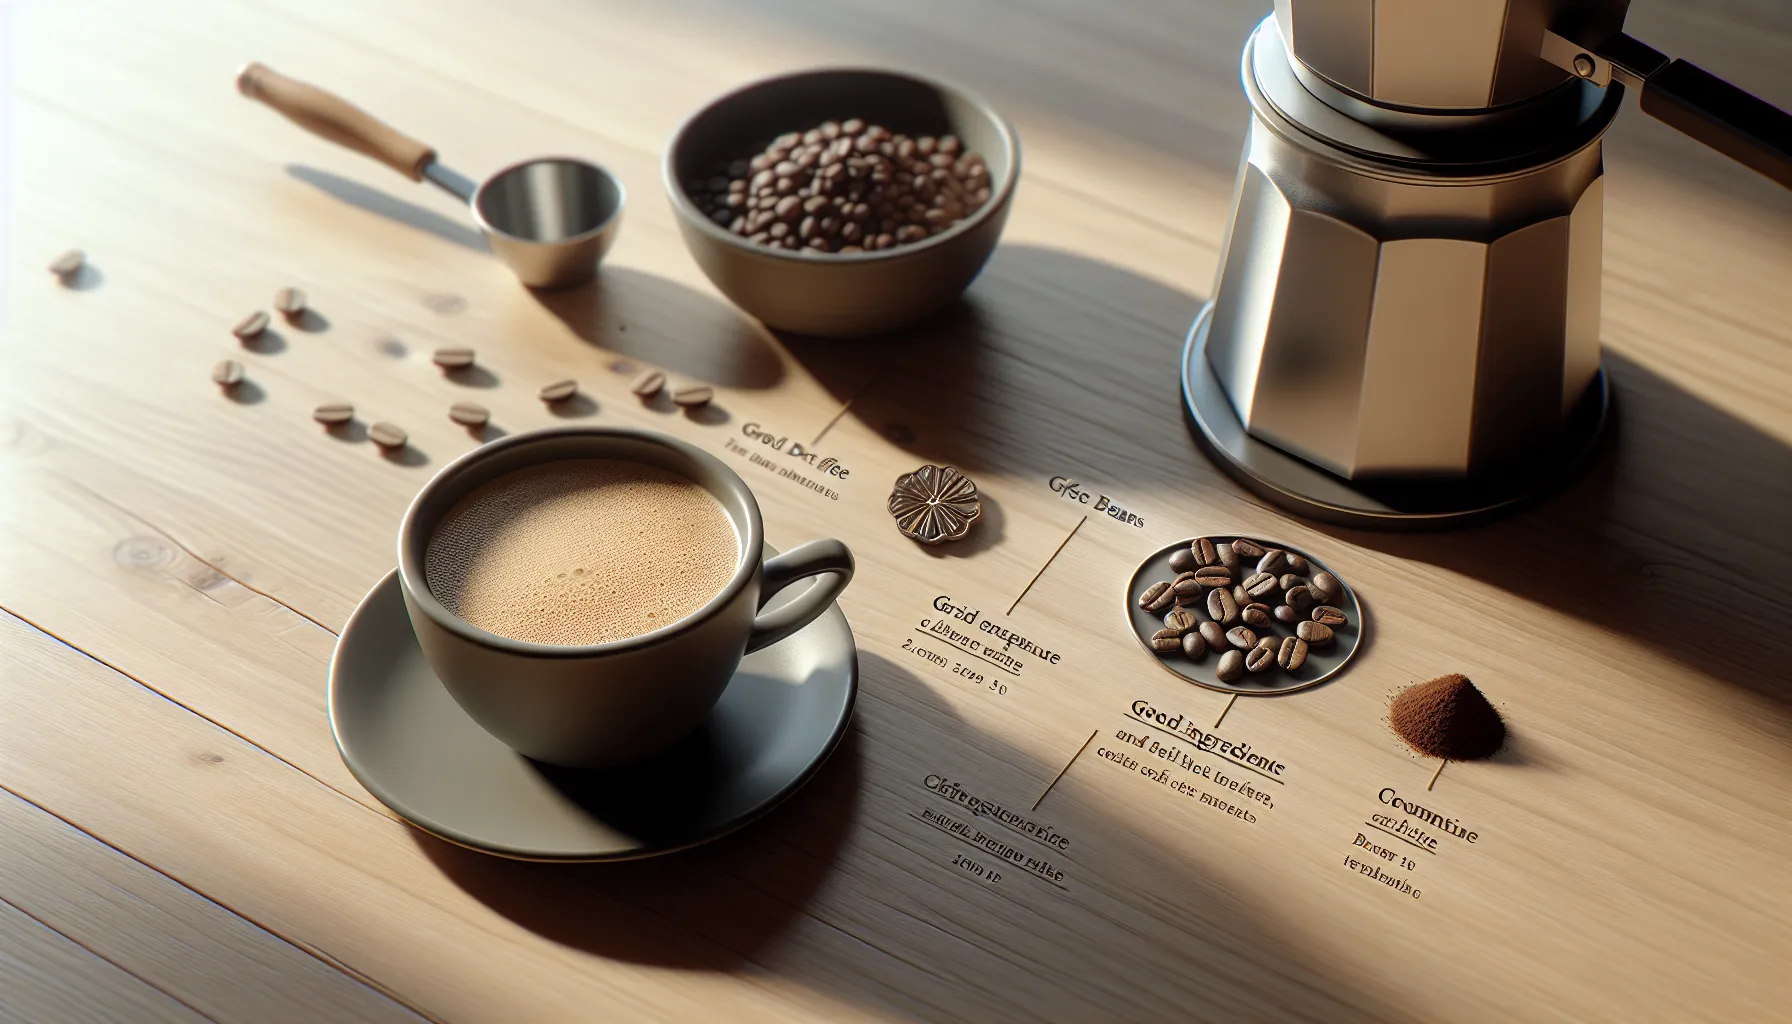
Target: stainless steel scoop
x=551 y=219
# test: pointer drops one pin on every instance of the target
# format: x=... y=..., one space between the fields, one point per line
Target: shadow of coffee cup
x=609 y=703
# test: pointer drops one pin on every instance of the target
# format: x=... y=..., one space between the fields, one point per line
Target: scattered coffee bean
x=333 y=413
x=1182 y=577
x=1163 y=600
x=1152 y=593
x=1274 y=560
x=1292 y=654
x=67 y=265
x=1182 y=560
x=1298 y=598
x=469 y=414
x=1204 y=552
x=1262 y=657
x=1229 y=558
x=1240 y=596
x=250 y=326
x=1247 y=548
x=1241 y=637
x=457 y=357
x=1255 y=615
x=1326 y=587
x=1296 y=562
x=1315 y=633
x=289 y=302
x=1326 y=615
x=1284 y=613
x=1214 y=634
x=1288 y=579
x=1262 y=584
x=692 y=396
x=388 y=435
x=1166 y=640
x=830 y=190
x=1181 y=620
x=1231 y=666
x=1187 y=588
x=1193 y=645
x=1214 y=576
x=228 y=373
x=558 y=391
x=1221 y=607
x=649 y=384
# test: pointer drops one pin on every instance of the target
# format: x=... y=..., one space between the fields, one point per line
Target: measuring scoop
x=550 y=219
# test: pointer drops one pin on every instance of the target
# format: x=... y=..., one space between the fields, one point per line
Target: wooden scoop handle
x=331 y=117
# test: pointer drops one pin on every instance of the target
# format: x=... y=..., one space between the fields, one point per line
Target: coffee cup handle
x=816 y=558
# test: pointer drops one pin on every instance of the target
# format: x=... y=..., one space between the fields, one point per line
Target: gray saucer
x=412 y=746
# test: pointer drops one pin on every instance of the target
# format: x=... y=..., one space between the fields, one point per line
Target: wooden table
x=179 y=840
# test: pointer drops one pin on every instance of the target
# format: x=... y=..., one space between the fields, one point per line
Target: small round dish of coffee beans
x=845 y=187
x=1241 y=615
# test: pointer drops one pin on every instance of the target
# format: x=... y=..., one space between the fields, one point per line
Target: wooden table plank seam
x=96 y=954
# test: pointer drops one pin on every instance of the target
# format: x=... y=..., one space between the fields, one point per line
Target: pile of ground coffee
x=845 y=187
x=1448 y=718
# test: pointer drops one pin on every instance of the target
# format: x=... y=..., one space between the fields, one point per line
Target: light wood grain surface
x=180 y=841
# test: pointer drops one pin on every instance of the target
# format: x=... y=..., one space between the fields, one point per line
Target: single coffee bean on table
x=692 y=396
x=469 y=414
x=1181 y=620
x=289 y=302
x=1221 y=608
x=455 y=357
x=1214 y=634
x=1275 y=560
x=1298 y=598
x=1231 y=666
x=1241 y=637
x=649 y=384
x=1214 y=576
x=251 y=326
x=388 y=435
x=1255 y=615
x=1166 y=640
x=1194 y=645
x=558 y=391
x=333 y=413
x=67 y=265
x=228 y=373
x=1182 y=560
x=1152 y=593
x=1315 y=633
x=1327 y=615
x=1292 y=653
x=1326 y=587
x=1262 y=657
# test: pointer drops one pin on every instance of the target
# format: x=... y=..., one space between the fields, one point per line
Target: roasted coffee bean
x=1241 y=637
x=1247 y=548
x=1314 y=633
x=1229 y=558
x=1284 y=613
x=1298 y=598
x=1288 y=580
x=1255 y=615
x=1326 y=587
x=469 y=414
x=558 y=391
x=1214 y=576
x=1194 y=646
x=692 y=396
x=1187 y=588
x=1214 y=634
x=1275 y=560
x=1296 y=562
x=1221 y=607
x=1231 y=666
x=1161 y=603
x=648 y=384
x=1292 y=654
x=228 y=373
x=1261 y=585
x=1326 y=615
x=1262 y=657
x=1205 y=553
x=67 y=265
x=289 y=302
x=333 y=413
x=1182 y=560
x=1181 y=620
x=1182 y=577
x=388 y=435
x=454 y=358
x=1187 y=600
x=1240 y=596
x=1166 y=640
x=250 y=326
x=1152 y=593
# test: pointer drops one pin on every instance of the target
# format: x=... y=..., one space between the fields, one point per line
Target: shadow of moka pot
x=1404 y=331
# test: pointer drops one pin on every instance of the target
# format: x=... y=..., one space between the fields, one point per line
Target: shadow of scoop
x=389 y=206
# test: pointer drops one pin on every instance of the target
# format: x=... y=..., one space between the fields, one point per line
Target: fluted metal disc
x=1300 y=487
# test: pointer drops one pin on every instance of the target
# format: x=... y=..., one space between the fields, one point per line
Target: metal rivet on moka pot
x=1404 y=329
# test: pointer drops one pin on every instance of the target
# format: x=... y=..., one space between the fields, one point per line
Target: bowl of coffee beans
x=842 y=202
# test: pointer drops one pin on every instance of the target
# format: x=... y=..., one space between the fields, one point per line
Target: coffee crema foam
x=581 y=551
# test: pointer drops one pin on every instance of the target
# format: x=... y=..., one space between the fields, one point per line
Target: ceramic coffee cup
x=604 y=704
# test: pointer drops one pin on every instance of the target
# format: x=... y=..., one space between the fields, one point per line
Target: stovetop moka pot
x=1405 y=322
